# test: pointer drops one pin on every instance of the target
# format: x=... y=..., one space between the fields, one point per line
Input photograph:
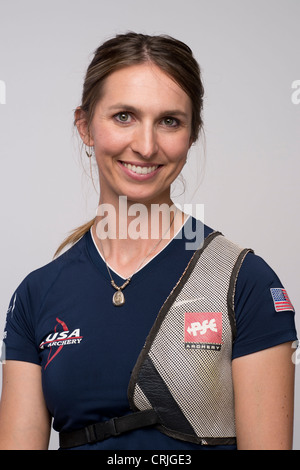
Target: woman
x=186 y=348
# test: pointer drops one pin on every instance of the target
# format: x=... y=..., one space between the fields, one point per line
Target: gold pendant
x=118 y=298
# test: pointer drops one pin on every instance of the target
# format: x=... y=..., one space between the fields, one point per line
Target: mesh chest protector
x=184 y=372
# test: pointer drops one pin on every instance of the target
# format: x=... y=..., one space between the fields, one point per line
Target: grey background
x=248 y=177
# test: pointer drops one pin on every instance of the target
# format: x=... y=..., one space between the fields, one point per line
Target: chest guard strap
x=114 y=427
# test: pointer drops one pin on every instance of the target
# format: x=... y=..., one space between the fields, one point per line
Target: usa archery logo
x=60 y=338
x=203 y=330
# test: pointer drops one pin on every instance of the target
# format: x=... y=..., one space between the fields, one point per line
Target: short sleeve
x=19 y=334
x=264 y=314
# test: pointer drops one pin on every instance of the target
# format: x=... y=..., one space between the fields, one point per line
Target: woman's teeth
x=140 y=170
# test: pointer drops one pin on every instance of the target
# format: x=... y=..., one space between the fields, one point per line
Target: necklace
x=118 y=298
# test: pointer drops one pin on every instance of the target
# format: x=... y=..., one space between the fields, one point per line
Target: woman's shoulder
x=264 y=313
x=42 y=277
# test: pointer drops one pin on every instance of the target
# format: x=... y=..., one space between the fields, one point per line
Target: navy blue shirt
x=62 y=318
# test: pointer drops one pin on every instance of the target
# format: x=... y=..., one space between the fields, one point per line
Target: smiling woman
x=163 y=58
x=139 y=342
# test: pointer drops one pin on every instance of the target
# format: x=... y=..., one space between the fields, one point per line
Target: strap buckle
x=100 y=431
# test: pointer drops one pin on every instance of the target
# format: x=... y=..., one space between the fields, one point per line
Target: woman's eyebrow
x=123 y=107
x=133 y=109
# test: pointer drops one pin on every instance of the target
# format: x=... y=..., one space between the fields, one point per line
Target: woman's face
x=141 y=134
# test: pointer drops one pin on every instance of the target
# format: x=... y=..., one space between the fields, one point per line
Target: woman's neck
x=129 y=235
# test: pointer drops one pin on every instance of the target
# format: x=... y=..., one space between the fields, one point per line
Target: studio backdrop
x=245 y=171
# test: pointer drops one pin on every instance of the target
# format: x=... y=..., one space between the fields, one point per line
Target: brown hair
x=171 y=55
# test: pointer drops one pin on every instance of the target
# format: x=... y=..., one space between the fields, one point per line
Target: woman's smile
x=138 y=171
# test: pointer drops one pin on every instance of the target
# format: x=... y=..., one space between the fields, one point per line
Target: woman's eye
x=123 y=117
x=170 y=122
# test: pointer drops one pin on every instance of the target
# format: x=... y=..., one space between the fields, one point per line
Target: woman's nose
x=144 y=141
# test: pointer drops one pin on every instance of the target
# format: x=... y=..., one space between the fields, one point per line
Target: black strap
x=114 y=427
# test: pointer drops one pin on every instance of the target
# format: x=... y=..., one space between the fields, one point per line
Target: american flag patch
x=281 y=300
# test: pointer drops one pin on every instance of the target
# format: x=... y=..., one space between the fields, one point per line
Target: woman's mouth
x=140 y=170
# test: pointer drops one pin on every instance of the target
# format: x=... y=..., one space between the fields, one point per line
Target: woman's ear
x=82 y=126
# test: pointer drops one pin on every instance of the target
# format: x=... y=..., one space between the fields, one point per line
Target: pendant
x=118 y=298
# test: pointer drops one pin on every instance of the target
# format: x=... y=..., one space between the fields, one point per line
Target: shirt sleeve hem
x=16 y=356
x=264 y=342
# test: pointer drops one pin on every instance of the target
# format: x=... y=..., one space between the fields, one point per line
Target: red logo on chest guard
x=203 y=330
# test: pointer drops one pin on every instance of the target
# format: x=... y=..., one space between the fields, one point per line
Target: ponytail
x=76 y=234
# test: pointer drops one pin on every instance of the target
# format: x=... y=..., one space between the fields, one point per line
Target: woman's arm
x=24 y=419
x=264 y=399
